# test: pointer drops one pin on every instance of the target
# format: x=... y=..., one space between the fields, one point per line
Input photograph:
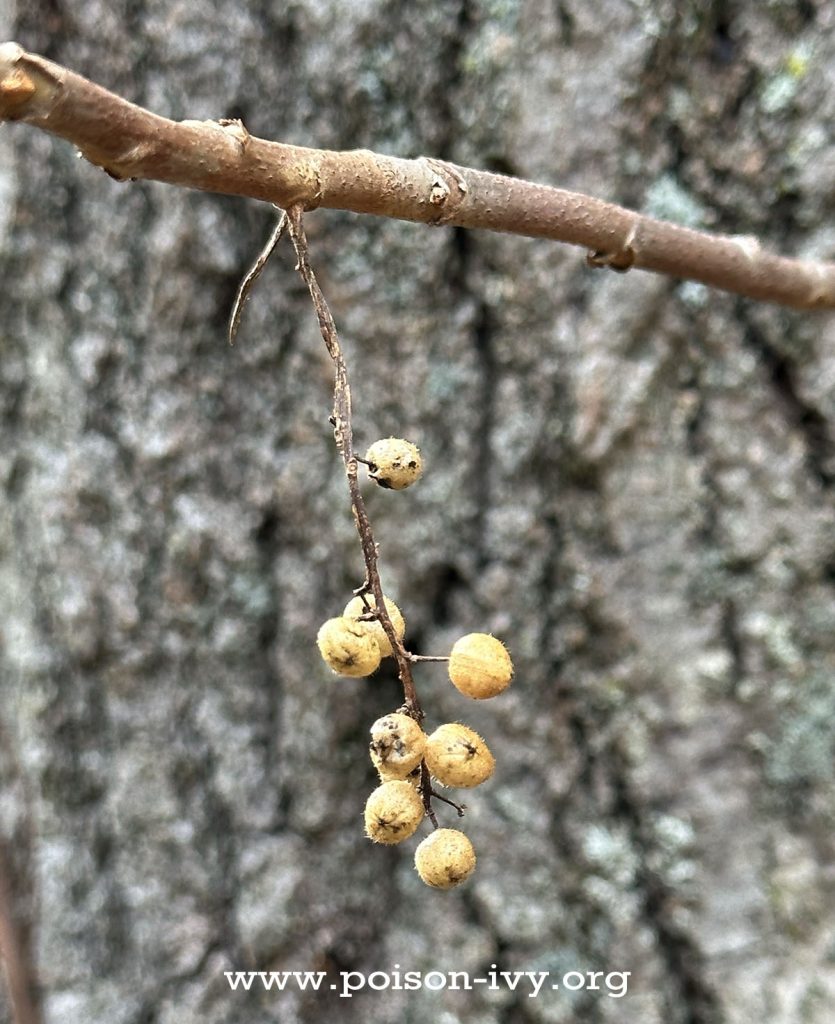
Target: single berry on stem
x=393 y=812
x=444 y=859
x=348 y=648
x=479 y=666
x=358 y=606
x=397 y=744
x=394 y=463
x=457 y=756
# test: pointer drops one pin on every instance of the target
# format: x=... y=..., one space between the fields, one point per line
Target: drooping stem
x=344 y=435
x=221 y=156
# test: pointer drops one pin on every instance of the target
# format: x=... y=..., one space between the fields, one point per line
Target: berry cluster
x=409 y=762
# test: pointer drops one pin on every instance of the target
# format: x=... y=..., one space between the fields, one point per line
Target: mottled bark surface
x=629 y=480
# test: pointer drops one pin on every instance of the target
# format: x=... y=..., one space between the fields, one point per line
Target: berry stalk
x=409 y=763
x=344 y=437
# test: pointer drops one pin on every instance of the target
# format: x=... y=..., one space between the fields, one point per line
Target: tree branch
x=221 y=156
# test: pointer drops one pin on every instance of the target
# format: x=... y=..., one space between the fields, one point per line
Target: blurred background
x=629 y=479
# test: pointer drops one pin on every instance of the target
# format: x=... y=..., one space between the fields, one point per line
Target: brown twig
x=252 y=276
x=445 y=799
x=221 y=156
x=426 y=793
x=344 y=436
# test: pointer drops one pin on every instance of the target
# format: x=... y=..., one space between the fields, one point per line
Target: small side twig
x=458 y=807
x=252 y=276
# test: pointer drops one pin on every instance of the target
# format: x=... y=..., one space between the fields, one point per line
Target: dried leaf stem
x=221 y=156
x=252 y=275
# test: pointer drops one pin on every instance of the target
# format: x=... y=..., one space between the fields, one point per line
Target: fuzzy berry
x=393 y=812
x=348 y=648
x=445 y=859
x=457 y=756
x=356 y=607
x=479 y=666
x=394 y=463
x=397 y=744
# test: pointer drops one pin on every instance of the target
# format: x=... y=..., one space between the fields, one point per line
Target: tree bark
x=627 y=479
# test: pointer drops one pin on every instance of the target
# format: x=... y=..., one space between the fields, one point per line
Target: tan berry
x=445 y=859
x=394 y=463
x=479 y=666
x=393 y=812
x=457 y=756
x=397 y=744
x=356 y=607
x=347 y=648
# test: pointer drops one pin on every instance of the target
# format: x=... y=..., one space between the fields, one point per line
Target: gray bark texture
x=628 y=479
